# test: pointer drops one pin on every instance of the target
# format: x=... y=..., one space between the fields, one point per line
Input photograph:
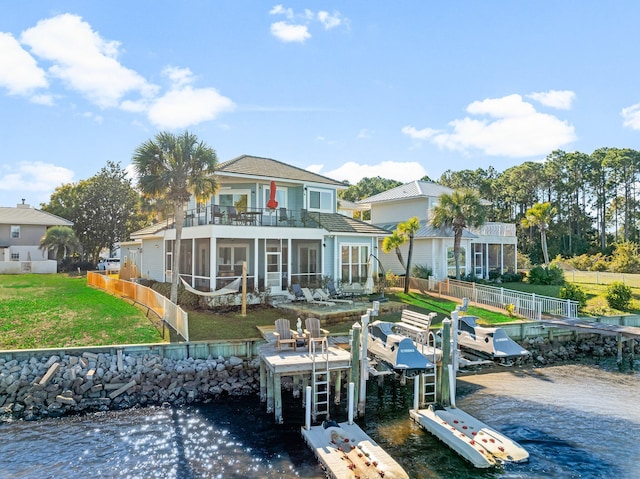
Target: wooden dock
x=299 y=363
x=347 y=452
x=630 y=332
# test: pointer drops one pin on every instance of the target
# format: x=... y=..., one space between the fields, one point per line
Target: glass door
x=273 y=274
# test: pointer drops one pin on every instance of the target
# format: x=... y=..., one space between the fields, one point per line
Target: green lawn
x=50 y=311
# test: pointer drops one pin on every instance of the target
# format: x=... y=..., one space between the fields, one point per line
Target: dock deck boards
x=347 y=452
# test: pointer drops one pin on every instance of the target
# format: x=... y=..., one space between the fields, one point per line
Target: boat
x=400 y=353
x=491 y=343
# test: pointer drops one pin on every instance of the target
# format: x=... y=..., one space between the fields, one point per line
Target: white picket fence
x=529 y=305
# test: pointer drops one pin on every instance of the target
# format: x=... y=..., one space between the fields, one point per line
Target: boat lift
x=472 y=439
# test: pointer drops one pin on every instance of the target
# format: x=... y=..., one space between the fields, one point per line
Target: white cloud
x=515 y=129
x=329 y=21
x=35 y=177
x=179 y=77
x=288 y=32
x=280 y=10
x=560 y=99
x=365 y=134
x=19 y=72
x=188 y=106
x=296 y=28
x=631 y=116
x=315 y=168
x=84 y=61
x=397 y=170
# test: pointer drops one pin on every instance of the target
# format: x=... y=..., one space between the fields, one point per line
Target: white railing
x=529 y=305
x=495 y=229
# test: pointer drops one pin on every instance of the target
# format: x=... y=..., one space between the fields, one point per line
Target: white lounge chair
x=324 y=296
x=309 y=297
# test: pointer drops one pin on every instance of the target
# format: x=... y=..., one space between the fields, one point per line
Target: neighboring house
x=21 y=229
x=490 y=248
x=279 y=219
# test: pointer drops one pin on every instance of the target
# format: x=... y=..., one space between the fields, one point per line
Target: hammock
x=231 y=288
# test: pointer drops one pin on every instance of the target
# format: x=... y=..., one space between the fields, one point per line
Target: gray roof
x=151 y=229
x=272 y=169
x=25 y=215
x=415 y=189
x=428 y=231
x=337 y=223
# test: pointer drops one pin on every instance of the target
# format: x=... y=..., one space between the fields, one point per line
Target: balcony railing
x=227 y=215
x=495 y=229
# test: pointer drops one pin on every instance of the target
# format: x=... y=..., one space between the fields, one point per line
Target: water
x=575 y=421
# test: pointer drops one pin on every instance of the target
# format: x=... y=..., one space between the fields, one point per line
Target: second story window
x=15 y=232
x=238 y=199
x=320 y=201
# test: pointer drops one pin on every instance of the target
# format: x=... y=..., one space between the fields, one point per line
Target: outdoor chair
x=310 y=299
x=216 y=213
x=284 y=334
x=297 y=292
x=333 y=292
x=232 y=215
x=314 y=333
x=286 y=218
x=324 y=296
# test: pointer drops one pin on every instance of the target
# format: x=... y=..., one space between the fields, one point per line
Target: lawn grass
x=51 y=311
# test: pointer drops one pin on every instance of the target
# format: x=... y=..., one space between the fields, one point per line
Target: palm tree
x=61 y=239
x=171 y=168
x=540 y=215
x=458 y=210
x=405 y=231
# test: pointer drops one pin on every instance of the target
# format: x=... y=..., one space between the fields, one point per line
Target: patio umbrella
x=368 y=285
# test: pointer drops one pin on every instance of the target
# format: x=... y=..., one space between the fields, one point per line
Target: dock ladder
x=428 y=379
x=320 y=377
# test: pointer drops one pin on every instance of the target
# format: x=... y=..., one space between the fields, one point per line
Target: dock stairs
x=320 y=377
x=427 y=387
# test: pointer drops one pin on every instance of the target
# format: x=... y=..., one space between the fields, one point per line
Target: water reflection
x=575 y=421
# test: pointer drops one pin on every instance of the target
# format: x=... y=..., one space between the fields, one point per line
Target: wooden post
x=269 y=392
x=305 y=385
x=277 y=393
x=619 y=358
x=632 y=346
x=364 y=373
x=338 y=386
x=444 y=397
x=355 y=357
x=263 y=382
x=244 y=288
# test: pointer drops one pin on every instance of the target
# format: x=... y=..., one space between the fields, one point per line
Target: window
x=353 y=263
x=15 y=232
x=239 y=199
x=309 y=259
x=15 y=256
x=281 y=196
x=320 y=201
x=230 y=259
x=451 y=261
x=169 y=257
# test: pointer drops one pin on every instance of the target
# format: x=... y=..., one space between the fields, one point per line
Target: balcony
x=495 y=229
x=228 y=215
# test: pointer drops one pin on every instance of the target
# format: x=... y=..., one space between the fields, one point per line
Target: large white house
x=21 y=229
x=279 y=219
x=490 y=248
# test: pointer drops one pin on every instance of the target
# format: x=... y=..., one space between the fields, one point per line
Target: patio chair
x=284 y=334
x=315 y=334
x=324 y=296
x=297 y=292
x=232 y=215
x=286 y=218
x=310 y=299
x=333 y=292
x=216 y=213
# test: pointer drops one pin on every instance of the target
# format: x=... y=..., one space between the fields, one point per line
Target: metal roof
x=414 y=189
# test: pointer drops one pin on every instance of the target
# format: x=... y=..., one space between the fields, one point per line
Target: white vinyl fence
x=529 y=305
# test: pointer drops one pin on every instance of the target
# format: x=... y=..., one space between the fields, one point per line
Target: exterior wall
x=352 y=240
x=30 y=235
x=397 y=211
x=153 y=259
x=23 y=267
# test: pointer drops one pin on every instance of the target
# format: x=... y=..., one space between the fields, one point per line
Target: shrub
x=574 y=292
x=512 y=278
x=625 y=258
x=547 y=276
x=421 y=271
x=618 y=296
x=392 y=279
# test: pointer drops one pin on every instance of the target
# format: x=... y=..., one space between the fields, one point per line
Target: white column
x=501 y=258
x=486 y=267
x=288 y=261
x=256 y=256
x=213 y=258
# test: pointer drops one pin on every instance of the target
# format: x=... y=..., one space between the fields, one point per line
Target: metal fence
x=529 y=305
x=602 y=277
x=173 y=314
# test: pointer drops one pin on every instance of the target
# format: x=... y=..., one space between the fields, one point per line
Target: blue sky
x=346 y=89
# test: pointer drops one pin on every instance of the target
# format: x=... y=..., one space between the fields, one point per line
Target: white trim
x=321 y=192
